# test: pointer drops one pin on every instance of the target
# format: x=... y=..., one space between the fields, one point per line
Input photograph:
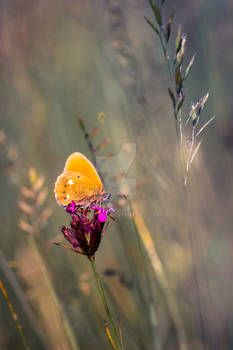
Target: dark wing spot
x=78 y=177
x=65 y=185
x=64 y=192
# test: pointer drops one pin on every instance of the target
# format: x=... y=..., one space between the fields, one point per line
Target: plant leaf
x=81 y=124
x=204 y=126
x=152 y=25
x=157 y=13
x=197 y=109
x=181 y=101
x=168 y=28
x=178 y=40
x=202 y=103
x=195 y=152
x=180 y=53
x=189 y=66
x=194 y=117
x=94 y=132
x=178 y=79
x=171 y=93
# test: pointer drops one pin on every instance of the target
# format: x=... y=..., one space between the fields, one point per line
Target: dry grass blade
x=26 y=208
x=109 y=336
x=195 y=152
x=188 y=69
x=160 y=275
x=204 y=126
x=11 y=278
x=51 y=317
x=33 y=196
x=120 y=331
x=24 y=226
x=152 y=25
x=27 y=193
x=14 y=315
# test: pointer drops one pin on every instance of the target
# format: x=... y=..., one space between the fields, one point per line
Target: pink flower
x=86 y=227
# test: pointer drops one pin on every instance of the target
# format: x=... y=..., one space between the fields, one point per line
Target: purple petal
x=71 y=208
x=102 y=217
x=69 y=236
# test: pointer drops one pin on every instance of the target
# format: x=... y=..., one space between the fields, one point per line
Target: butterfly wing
x=79 y=163
x=74 y=186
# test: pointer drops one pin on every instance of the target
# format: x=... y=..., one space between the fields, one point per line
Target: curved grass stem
x=14 y=316
x=105 y=303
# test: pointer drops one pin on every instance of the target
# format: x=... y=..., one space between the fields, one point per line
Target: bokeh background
x=63 y=60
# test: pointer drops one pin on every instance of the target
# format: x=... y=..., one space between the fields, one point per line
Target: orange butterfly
x=79 y=182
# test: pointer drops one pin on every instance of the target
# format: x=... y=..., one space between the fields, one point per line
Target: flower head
x=102 y=213
x=86 y=227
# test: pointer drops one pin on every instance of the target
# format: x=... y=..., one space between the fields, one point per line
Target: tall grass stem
x=14 y=316
x=105 y=303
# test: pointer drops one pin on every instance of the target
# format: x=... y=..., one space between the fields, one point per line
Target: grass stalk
x=160 y=274
x=105 y=303
x=14 y=316
x=176 y=78
x=66 y=335
x=150 y=300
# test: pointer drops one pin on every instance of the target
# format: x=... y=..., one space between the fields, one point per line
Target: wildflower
x=87 y=227
x=102 y=213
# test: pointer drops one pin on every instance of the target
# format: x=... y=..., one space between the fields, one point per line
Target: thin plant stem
x=65 y=326
x=120 y=331
x=170 y=79
x=109 y=336
x=195 y=272
x=21 y=297
x=89 y=141
x=181 y=153
x=14 y=316
x=151 y=306
x=105 y=303
x=164 y=48
x=158 y=269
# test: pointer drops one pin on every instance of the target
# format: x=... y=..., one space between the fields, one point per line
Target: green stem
x=104 y=300
x=169 y=75
x=14 y=316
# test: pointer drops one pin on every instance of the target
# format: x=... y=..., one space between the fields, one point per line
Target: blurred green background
x=63 y=60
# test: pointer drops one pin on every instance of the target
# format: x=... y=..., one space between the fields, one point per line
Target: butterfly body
x=79 y=182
